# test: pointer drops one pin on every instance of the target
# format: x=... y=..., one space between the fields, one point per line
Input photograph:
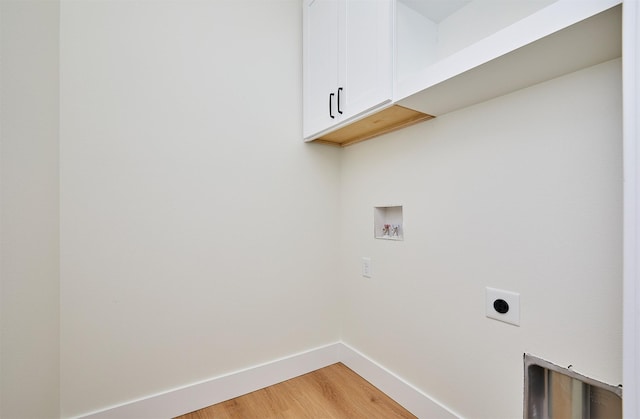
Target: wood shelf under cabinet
x=382 y=122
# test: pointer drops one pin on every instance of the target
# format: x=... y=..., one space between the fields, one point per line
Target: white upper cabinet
x=373 y=66
x=320 y=65
x=348 y=60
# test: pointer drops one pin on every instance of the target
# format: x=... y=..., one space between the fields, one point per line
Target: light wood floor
x=333 y=392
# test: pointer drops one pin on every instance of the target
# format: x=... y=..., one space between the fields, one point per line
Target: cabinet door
x=320 y=64
x=365 y=55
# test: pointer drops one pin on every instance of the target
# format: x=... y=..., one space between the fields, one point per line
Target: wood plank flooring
x=333 y=392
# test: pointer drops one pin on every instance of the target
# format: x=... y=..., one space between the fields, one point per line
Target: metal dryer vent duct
x=552 y=392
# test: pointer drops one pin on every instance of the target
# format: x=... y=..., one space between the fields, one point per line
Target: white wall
x=198 y=231
x=521 y=193
x=199 y=235
x=631 y=316
x=29 y=282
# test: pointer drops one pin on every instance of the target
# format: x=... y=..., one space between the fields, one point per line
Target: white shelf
x=428 y=31
x=561 y=38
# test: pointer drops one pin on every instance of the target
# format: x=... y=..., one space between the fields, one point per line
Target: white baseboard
x=409 y=397
x=206 y=393
x=196 y=396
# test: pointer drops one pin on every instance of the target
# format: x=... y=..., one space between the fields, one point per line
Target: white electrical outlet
x=503 y=305
x=366 y=267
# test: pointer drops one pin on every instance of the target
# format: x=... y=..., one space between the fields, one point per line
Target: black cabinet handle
x=339 y=90
x=330 y=109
